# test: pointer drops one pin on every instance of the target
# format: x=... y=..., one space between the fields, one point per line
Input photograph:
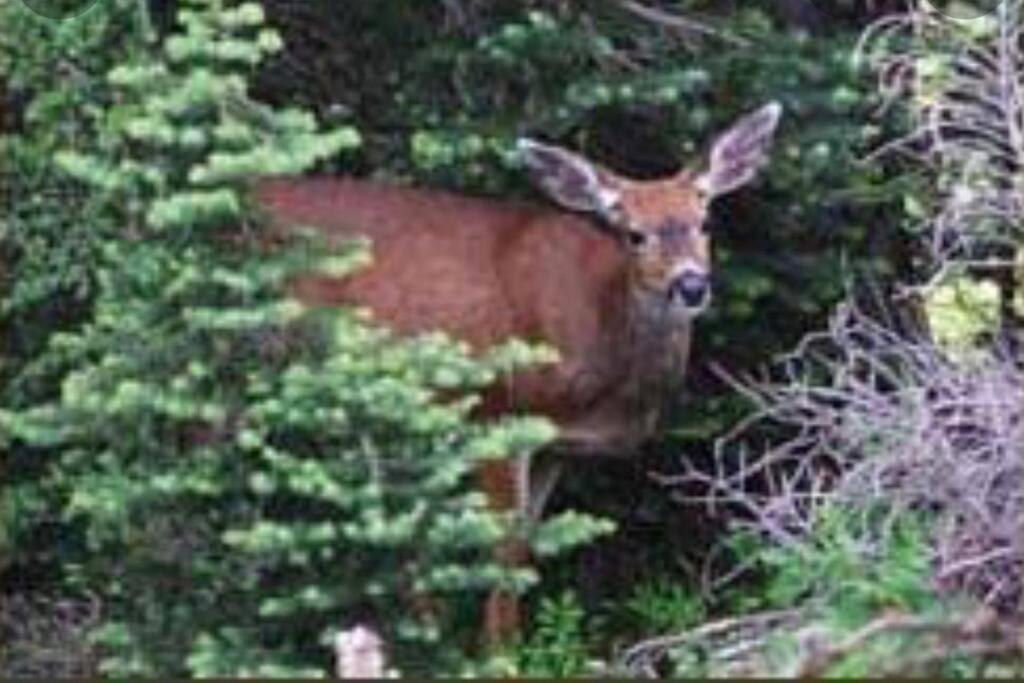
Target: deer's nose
x=692 y=288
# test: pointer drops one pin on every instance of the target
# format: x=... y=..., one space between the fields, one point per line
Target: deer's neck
x=653 y=358
x=659 y=340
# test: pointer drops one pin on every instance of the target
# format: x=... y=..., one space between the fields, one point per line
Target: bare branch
x=961 y=86
x=690 y=28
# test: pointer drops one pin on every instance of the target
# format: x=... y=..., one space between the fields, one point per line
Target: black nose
x=692 y=288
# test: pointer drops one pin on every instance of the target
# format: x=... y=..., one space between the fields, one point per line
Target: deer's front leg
x=522 y=485
x=502 y=482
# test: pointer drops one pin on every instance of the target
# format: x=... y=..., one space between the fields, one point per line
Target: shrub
x=662 y=606
x=558 y=643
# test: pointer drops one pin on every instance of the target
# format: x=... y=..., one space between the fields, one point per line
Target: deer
x=612 y=278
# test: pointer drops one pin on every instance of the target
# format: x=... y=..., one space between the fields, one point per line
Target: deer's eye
x=636 y=238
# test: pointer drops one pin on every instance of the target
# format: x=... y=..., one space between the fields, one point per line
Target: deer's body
x=613 y=285
x=485 y=271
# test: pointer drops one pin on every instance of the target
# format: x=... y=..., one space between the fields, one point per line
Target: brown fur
x=485 y=271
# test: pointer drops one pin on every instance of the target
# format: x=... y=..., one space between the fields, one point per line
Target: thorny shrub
x=884 y=423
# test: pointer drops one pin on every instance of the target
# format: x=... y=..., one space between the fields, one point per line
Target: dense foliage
x=204 y=478
x=214 y=441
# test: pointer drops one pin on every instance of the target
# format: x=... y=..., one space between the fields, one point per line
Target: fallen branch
x=740 y=646
x=739 y=636
x=978 y=635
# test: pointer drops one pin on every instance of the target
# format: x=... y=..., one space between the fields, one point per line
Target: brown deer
x=613 y=284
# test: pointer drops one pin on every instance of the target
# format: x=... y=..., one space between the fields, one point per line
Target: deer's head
x=661 y=222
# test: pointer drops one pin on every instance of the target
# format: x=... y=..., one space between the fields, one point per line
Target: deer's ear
x=739 y=152
x=569 y=179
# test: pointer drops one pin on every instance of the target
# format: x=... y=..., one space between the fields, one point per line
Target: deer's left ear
x=739 y=152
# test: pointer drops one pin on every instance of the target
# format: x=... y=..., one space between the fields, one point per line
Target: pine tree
x=248 y=475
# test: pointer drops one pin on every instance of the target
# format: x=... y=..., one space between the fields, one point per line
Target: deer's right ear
x=569 y=179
